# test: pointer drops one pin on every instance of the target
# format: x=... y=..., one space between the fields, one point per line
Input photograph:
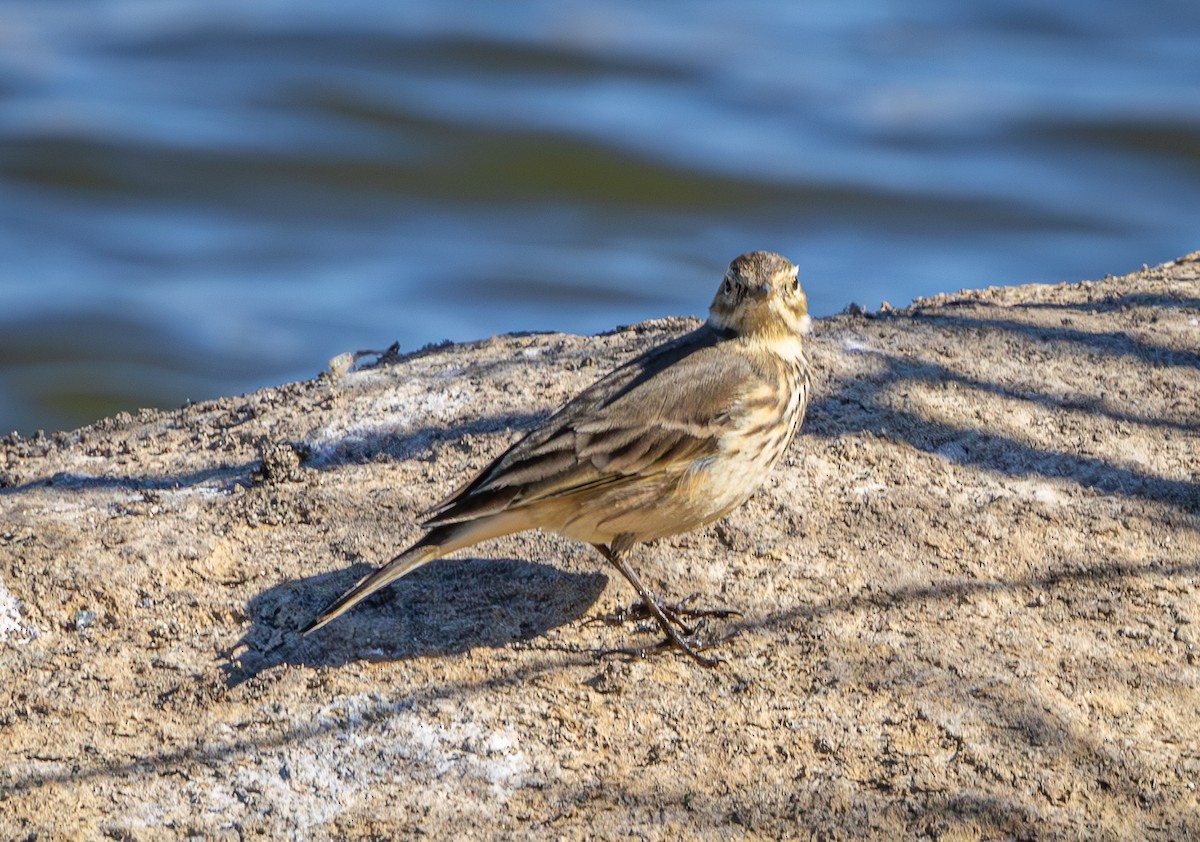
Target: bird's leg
x=666 y=622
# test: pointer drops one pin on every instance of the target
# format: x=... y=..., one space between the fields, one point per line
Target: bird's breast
x=768 y=420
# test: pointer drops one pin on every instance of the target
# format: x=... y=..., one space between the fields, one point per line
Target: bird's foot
x=690 y=647
x=684 y=608
x=676 y=613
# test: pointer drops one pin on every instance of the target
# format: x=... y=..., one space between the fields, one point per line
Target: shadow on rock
x=448 y=607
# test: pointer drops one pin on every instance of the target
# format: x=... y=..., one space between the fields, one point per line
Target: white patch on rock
x=12 y=630
x=869 y=488
x=952 y=452
x=466 y=750
x=1047 y=495
x=370 y=414
x=355 y=747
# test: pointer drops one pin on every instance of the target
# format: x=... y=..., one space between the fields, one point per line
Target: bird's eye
x=728 y=287
x=795 y=283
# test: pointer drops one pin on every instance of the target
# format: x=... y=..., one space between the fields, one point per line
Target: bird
x=672 y=440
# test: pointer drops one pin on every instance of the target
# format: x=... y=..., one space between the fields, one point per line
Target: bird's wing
x=658 y=412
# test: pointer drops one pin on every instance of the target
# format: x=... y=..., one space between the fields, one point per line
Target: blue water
x=200 y=197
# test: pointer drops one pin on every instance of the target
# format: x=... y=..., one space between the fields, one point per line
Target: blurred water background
x=201 y=197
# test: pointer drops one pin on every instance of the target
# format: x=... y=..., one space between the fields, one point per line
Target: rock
x=968 y=601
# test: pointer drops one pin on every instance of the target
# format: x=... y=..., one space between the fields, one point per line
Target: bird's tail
x=440 y=541
x=418 y=554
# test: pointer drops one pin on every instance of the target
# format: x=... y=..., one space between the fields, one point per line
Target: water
x=200 y=198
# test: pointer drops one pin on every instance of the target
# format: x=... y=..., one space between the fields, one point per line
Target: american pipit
x=668 y=442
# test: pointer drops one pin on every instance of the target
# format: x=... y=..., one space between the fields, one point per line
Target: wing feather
x=649 y=416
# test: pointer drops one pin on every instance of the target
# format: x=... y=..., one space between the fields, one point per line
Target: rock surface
x=970 y=596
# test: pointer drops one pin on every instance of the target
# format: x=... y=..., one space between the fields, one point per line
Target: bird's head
x=761 y=297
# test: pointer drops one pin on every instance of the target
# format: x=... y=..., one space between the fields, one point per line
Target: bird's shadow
x=447 y=607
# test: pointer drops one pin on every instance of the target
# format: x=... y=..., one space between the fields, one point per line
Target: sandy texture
x=971 y=602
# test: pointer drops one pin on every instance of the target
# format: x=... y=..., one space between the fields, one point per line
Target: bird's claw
x=675 y=613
